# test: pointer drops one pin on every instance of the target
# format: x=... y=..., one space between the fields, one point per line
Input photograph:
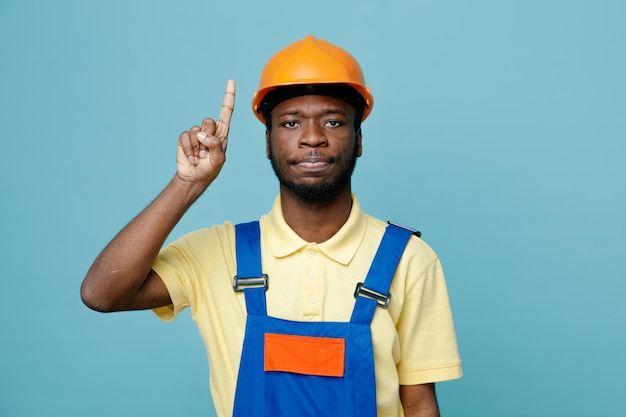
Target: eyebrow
x=329 y=110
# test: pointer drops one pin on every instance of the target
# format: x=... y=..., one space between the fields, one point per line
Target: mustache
x=313 y=156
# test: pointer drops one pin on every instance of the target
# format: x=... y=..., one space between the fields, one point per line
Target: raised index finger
x=228 y=105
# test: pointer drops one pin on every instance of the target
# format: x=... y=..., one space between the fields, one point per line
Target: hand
x=201 y=151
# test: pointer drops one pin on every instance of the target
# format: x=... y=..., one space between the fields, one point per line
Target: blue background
x=498 y=130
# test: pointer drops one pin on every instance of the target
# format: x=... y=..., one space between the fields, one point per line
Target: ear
x=359 y=144
x=267 y=144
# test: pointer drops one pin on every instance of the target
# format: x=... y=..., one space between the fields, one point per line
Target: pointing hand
x=201 y=151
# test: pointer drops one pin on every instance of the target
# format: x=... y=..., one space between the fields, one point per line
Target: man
x=289 y=335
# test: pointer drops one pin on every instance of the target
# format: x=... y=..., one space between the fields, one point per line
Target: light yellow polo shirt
x=414 y=339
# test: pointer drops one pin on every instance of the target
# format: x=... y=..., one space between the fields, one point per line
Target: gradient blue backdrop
x=498 y=130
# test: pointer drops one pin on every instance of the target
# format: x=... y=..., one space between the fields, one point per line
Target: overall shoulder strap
x=375 y=290
x=250 y=278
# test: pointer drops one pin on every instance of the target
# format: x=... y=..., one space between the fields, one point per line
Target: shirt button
x=310 y=252
x=311 y=275
x=311 y=300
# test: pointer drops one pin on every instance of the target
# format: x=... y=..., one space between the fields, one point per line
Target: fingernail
x=191 y=159
x=201 y=135
x=202 y=153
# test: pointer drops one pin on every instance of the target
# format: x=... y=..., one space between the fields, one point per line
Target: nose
x=313 y=136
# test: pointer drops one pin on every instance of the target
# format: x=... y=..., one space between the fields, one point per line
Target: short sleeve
x=179 y=265
x=426 y=332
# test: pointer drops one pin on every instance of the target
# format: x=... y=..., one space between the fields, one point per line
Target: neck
x=316 y=221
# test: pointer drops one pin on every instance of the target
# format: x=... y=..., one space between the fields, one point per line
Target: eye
x=334 y=123
x=290 y=124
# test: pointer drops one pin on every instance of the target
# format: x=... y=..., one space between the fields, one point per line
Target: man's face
x=313 y=146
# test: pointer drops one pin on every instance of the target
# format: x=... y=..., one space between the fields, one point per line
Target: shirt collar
x=342 y=247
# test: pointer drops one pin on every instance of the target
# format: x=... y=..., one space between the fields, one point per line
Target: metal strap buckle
x=381 y=299
x=240 y=284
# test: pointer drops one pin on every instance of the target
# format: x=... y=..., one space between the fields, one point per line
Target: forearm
x=419 y=400
x=119 y=272
x=433 y=412
x=121 y=277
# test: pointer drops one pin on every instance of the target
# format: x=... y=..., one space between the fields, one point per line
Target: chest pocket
x=307 y=355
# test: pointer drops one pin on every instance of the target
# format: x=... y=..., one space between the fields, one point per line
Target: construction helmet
x=310 y=62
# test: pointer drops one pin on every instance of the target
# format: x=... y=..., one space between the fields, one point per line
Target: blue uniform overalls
x=291 y=368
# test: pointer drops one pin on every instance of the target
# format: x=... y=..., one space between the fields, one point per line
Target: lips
x=313 y=164
x=313 y=159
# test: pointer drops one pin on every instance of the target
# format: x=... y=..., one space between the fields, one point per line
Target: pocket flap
x=308 y=355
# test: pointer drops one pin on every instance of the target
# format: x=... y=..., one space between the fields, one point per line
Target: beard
x=311 y=193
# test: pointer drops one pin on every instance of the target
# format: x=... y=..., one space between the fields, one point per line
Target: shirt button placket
x=311 y=285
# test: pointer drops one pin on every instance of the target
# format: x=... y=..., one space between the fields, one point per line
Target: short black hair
x=341 y=91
